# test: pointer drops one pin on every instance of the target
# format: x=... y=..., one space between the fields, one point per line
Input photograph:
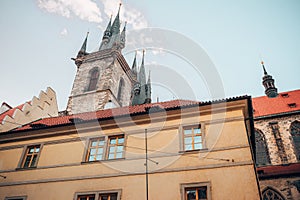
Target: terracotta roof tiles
x=285 y=102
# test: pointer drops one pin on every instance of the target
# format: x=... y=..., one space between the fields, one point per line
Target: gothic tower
x=268 y=83
x=103 y=78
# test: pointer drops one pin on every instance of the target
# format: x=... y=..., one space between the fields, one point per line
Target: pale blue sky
x=39 y=37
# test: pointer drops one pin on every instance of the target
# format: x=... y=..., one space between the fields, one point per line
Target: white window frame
x=98 y=193
x=181 y=136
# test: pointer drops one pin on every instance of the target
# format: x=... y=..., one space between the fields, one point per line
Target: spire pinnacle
x=83 y=47
x=115 y=29
x=265 y=71
x=134 y=65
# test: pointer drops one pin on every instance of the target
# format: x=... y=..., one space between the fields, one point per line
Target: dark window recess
x=86 y=197
x=295 y=133
x=262 y=154
x=285 y=95
x=270 y=194
x=292 y=105
x=199 y=193
x=279 y=142
x=93 y=80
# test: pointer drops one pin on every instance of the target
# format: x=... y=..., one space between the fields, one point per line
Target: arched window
x=94 y=75
x=271 y=194
x=262 y=154
x=121 y=89
x=295 y=133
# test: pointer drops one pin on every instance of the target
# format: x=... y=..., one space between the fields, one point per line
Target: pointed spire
x=123 y=36
x=142 y=76
x=149 y=80
x=115 y=29
x=148 y=89
x=108 y=25
x=83 y=47
x=265 y=71
x=134 y=65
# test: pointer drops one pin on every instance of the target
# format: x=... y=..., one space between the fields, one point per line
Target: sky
x=228 y=38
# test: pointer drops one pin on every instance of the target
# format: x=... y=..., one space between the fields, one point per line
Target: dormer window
x=292 y=105
x=285 y=95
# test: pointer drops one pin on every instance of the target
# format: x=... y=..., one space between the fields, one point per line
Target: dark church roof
x=284 y=103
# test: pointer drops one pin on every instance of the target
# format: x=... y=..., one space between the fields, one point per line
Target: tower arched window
x=261 y=151
x=94 y=76
x=271 y=194
x=295 y=133
x=121 y=89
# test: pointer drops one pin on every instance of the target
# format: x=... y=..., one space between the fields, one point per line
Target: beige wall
x=60 y=172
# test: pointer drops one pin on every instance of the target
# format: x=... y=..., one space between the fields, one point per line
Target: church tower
x=268 y=83
x=103 y=79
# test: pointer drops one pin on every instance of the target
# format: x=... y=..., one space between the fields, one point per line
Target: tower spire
x=265 y=71
x=123 y=36
x=142 y=76
x=134 y=66
x=269 y=83
x=83 y=47
x=115 y=29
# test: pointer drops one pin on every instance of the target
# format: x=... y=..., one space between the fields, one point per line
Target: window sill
x=193 y=151
x=27 y=168
x=100 y=161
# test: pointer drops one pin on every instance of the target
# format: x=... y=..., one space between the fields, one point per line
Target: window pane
x=101 y=142
x=93 y=152
x=119 y=148
x=197 y=139
x=188 y=140
x=121 y=140
x=99 y=157
x=111 y=156
x=27 y=161
x=191 y=195
x=37 y=149
x=202 y=193
x=197 y=130
x=91 y=158
x=94 y=143
x=111 y=149
x=187 y=131
x=82 y=198
x=198 y=146
x=113 y=141
x=119 y=155
x=31 y=150
x=113 y=197
x=188 y=147
x=104 y=197
x=33 y=161
x=100 y=151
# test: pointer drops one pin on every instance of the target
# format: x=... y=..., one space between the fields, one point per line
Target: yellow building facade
x=195 y=151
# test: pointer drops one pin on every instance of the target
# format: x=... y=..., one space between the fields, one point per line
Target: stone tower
x=268 y=83
x=103 y=78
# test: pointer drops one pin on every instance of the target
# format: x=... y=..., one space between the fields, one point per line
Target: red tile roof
x=283 y=103
x=106 y=114
x=278 y=170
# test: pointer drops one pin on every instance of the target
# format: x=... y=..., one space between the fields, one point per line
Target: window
x=93 y=79
x=15 y=198
x=105 y=148
x=101 y=195
x=261 y=151
x=116 y=145
x=121 y=89
x=86 y=197
x=295 y=133
x=271 y=194
x=96 y=148
x=31 y=156
x=192 y=138
x=195 y=191
x=112 y=196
